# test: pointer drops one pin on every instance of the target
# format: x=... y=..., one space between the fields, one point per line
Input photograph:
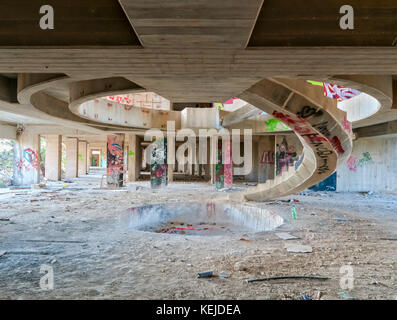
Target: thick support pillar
x=158 y=164
x=134 y=158
x=27 y=159
x=72 y=153
x=207 y=165
x=115 y=160
x=82 y=161
x=266 y=153
x=213 y=156
x=227 y=164
x=171 y=158
x=53 y=157
x=88 y=158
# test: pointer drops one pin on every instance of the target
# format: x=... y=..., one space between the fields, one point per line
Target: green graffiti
x=365 y=160
x=131 y=153
x=272 y=125
x=81 y=157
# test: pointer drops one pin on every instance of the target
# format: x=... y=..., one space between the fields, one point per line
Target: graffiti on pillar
x=285 y=156
x=219 y=167
x=228 y=165
x=353 y=162
x=158 y=164
x=31 y=158
x=115 y=160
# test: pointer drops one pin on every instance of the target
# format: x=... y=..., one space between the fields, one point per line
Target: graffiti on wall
x=158 y=164
x=275 y=125
x=149 y=100
x=285 y=156
x=115 y=160
x=228 y=165
x=312 y=137
x=353 y=162
x=219 y=167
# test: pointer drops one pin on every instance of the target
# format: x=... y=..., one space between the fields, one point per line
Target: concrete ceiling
x=316 y=23
x=196 y=51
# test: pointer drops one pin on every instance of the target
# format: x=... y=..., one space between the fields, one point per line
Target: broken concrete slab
x=285 y=236
x=298 y=248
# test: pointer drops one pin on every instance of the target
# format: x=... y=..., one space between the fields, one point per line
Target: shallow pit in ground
x=197 y=218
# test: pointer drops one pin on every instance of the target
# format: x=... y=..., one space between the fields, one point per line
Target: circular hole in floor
x=197 y=218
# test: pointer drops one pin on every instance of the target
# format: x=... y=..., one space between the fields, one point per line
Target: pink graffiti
x=267 y=157
x=347 y=124
x=31 y=157
x=352 y=163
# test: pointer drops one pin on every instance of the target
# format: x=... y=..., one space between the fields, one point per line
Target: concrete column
x=115 y=160
x=208 y=163
x=88 y=153
x=72 y=152
x=82 y=158
x=27 y=159
x=171 y=158
x=213 y=156
x=53 y=157
x=134 y=160
x=266 y=154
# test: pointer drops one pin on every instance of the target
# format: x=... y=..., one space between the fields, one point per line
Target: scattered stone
x=54 y=261
x=240 y=266
x=298 y=248
x=285 y=236
x=319 y=294
x=346 y=295
x=3 y=253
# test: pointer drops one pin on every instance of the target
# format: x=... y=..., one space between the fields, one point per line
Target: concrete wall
x=7 y=132
x=371 y=166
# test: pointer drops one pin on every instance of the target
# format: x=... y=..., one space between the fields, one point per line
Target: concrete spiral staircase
x=321 y=126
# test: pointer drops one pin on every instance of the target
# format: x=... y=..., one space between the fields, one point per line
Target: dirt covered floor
x=75 y=227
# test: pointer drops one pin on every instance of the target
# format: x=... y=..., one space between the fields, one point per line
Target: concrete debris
x=285 y=236
x=298 y=248
x=346 y=295
x=240 y=266
x=3 y=253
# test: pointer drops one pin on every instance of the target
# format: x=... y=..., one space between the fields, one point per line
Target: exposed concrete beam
x=377 y=130
x=240 y=114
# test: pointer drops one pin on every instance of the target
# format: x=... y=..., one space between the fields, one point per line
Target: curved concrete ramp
x=318 y=123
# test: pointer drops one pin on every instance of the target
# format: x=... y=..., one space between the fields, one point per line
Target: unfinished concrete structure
x=114 y=75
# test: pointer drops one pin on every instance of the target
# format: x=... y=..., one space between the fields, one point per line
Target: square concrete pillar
x=134 y=157
x=171 y=158
x=53 y=157
x=27 y=159
x=266 y=153
x=72 y=152
x=115 y=159
x=82 y=158
x=213 y=157
x=88 y=153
